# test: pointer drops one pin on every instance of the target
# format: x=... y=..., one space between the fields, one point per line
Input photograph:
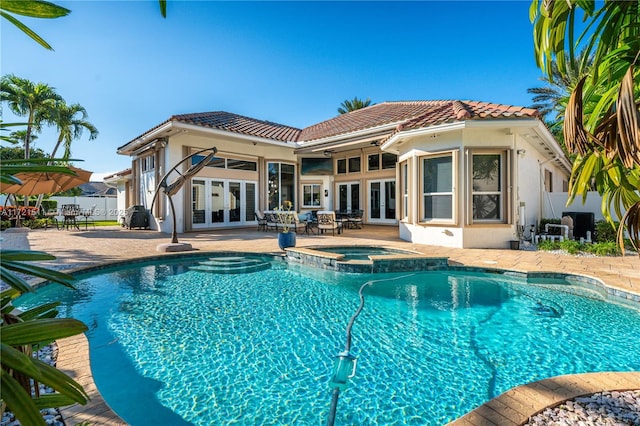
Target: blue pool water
x=173 y=346
x=359 y=252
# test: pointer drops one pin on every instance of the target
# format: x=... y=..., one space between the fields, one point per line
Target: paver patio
x=77 y=250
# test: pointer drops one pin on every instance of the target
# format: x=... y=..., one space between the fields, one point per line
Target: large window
x=437 y=188
x=348 y=165
x=281 y=184
x=311 y=195
x=404 y=188
x=488 y=186
x=227 y=163
x=381 y=161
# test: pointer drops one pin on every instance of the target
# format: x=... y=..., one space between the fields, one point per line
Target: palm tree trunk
x=53 y=154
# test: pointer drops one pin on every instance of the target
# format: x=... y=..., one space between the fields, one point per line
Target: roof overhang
x=173 y=128
x=347 y=141
x=533 y=130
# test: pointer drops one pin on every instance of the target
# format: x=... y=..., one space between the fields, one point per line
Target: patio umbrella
x=36 y=183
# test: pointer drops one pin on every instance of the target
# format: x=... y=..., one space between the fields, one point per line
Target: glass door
x=348 y=197
x=382 y=201
x=230 y=203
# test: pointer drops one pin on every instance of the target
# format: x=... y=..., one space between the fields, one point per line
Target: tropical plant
x=71 y=121
x=602 y=119
x=352 y=105
x=25 y=98
x=21 y=331
x=551 y=99
x=16 y=153
x=33 y=9
x=285 y=216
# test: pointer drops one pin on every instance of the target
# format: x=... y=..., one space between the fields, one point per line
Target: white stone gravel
x=51 y=416
x=600 y=409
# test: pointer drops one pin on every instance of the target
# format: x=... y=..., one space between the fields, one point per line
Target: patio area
x=77 y=250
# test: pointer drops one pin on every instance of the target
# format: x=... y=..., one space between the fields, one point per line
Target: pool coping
x=514 y=407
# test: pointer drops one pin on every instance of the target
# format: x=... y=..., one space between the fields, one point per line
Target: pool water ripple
x=257 y=348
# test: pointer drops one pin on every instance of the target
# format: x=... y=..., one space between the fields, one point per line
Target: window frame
x=453 y=220
x=311 y=184
x=504 y=191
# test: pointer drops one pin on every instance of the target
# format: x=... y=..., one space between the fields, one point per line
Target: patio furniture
x=262 y=221
x=272 y=220
x=327 y=221
x=88 y=217
x=70 y=213
x=355 y=220
x=294 y=222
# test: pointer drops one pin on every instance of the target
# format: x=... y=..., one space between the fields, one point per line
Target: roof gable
x=235 y=123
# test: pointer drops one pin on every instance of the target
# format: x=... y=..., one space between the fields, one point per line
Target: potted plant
x=286 y=238
x=515 y=243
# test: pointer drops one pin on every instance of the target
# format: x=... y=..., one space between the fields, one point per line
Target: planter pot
x=286 y=239
x=514 y=244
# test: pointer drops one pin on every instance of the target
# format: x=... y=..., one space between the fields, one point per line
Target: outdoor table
x=70 y=212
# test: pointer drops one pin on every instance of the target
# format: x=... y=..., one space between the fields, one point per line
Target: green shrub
x=607 y=248
x=605 y=231
x=571 y=246
x=4 y=224
x=548 y=245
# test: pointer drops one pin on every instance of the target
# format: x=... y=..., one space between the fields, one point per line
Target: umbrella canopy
x=46 y=183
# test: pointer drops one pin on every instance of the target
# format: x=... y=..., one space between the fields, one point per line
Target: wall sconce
x=326 y=192
x=521 y=152
x=327 y=153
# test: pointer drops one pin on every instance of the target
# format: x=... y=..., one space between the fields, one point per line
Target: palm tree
x=18 y=137
x=71 y=121
x=602 y=116
x=352 y=105
x=551 y=99
x=25 y=98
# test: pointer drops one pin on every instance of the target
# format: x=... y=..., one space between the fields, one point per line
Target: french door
x=382 y=201
x=223 y=202
x=348 y=196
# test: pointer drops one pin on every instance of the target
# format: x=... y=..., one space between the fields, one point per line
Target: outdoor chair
x=272 y=220
x=88 y=217
x=294 y=223
x=262 y=221
x=327 y=221
x=355 y=220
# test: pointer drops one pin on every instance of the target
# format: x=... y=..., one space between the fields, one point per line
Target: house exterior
x=451 y=173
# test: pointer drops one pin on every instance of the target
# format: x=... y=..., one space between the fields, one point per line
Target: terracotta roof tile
x=407 y=114
x=412 y=115
x=239 y=124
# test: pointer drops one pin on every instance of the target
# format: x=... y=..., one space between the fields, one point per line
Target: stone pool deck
x=78 y=250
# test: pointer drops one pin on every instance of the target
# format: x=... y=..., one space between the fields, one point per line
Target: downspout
x=542 y=189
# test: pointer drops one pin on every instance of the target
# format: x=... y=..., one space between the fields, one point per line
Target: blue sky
x=287 y=62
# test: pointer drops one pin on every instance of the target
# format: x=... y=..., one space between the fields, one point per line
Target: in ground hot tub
x=364 y=259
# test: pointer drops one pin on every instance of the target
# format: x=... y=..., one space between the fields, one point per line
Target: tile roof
x=406 y=115
x=412 y=115
x=239 y=124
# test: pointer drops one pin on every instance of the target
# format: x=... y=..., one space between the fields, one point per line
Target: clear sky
x=287 y=62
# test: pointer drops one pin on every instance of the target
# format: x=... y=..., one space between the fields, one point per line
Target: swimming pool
x=362 y=253
x=170 y=345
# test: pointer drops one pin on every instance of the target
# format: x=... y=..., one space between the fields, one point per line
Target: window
x=342 y=166
x=382 y=161
x=354 y=164
x=373 y=162
x=437 y=188
x=147 y=163
x=281 y=184
x=488 y=186
x=311 y=195
x=548 y=181
x=227 y=163
x=404 y=182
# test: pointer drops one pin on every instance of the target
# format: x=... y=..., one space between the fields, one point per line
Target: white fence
x=556 y=202
x=106 y=208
